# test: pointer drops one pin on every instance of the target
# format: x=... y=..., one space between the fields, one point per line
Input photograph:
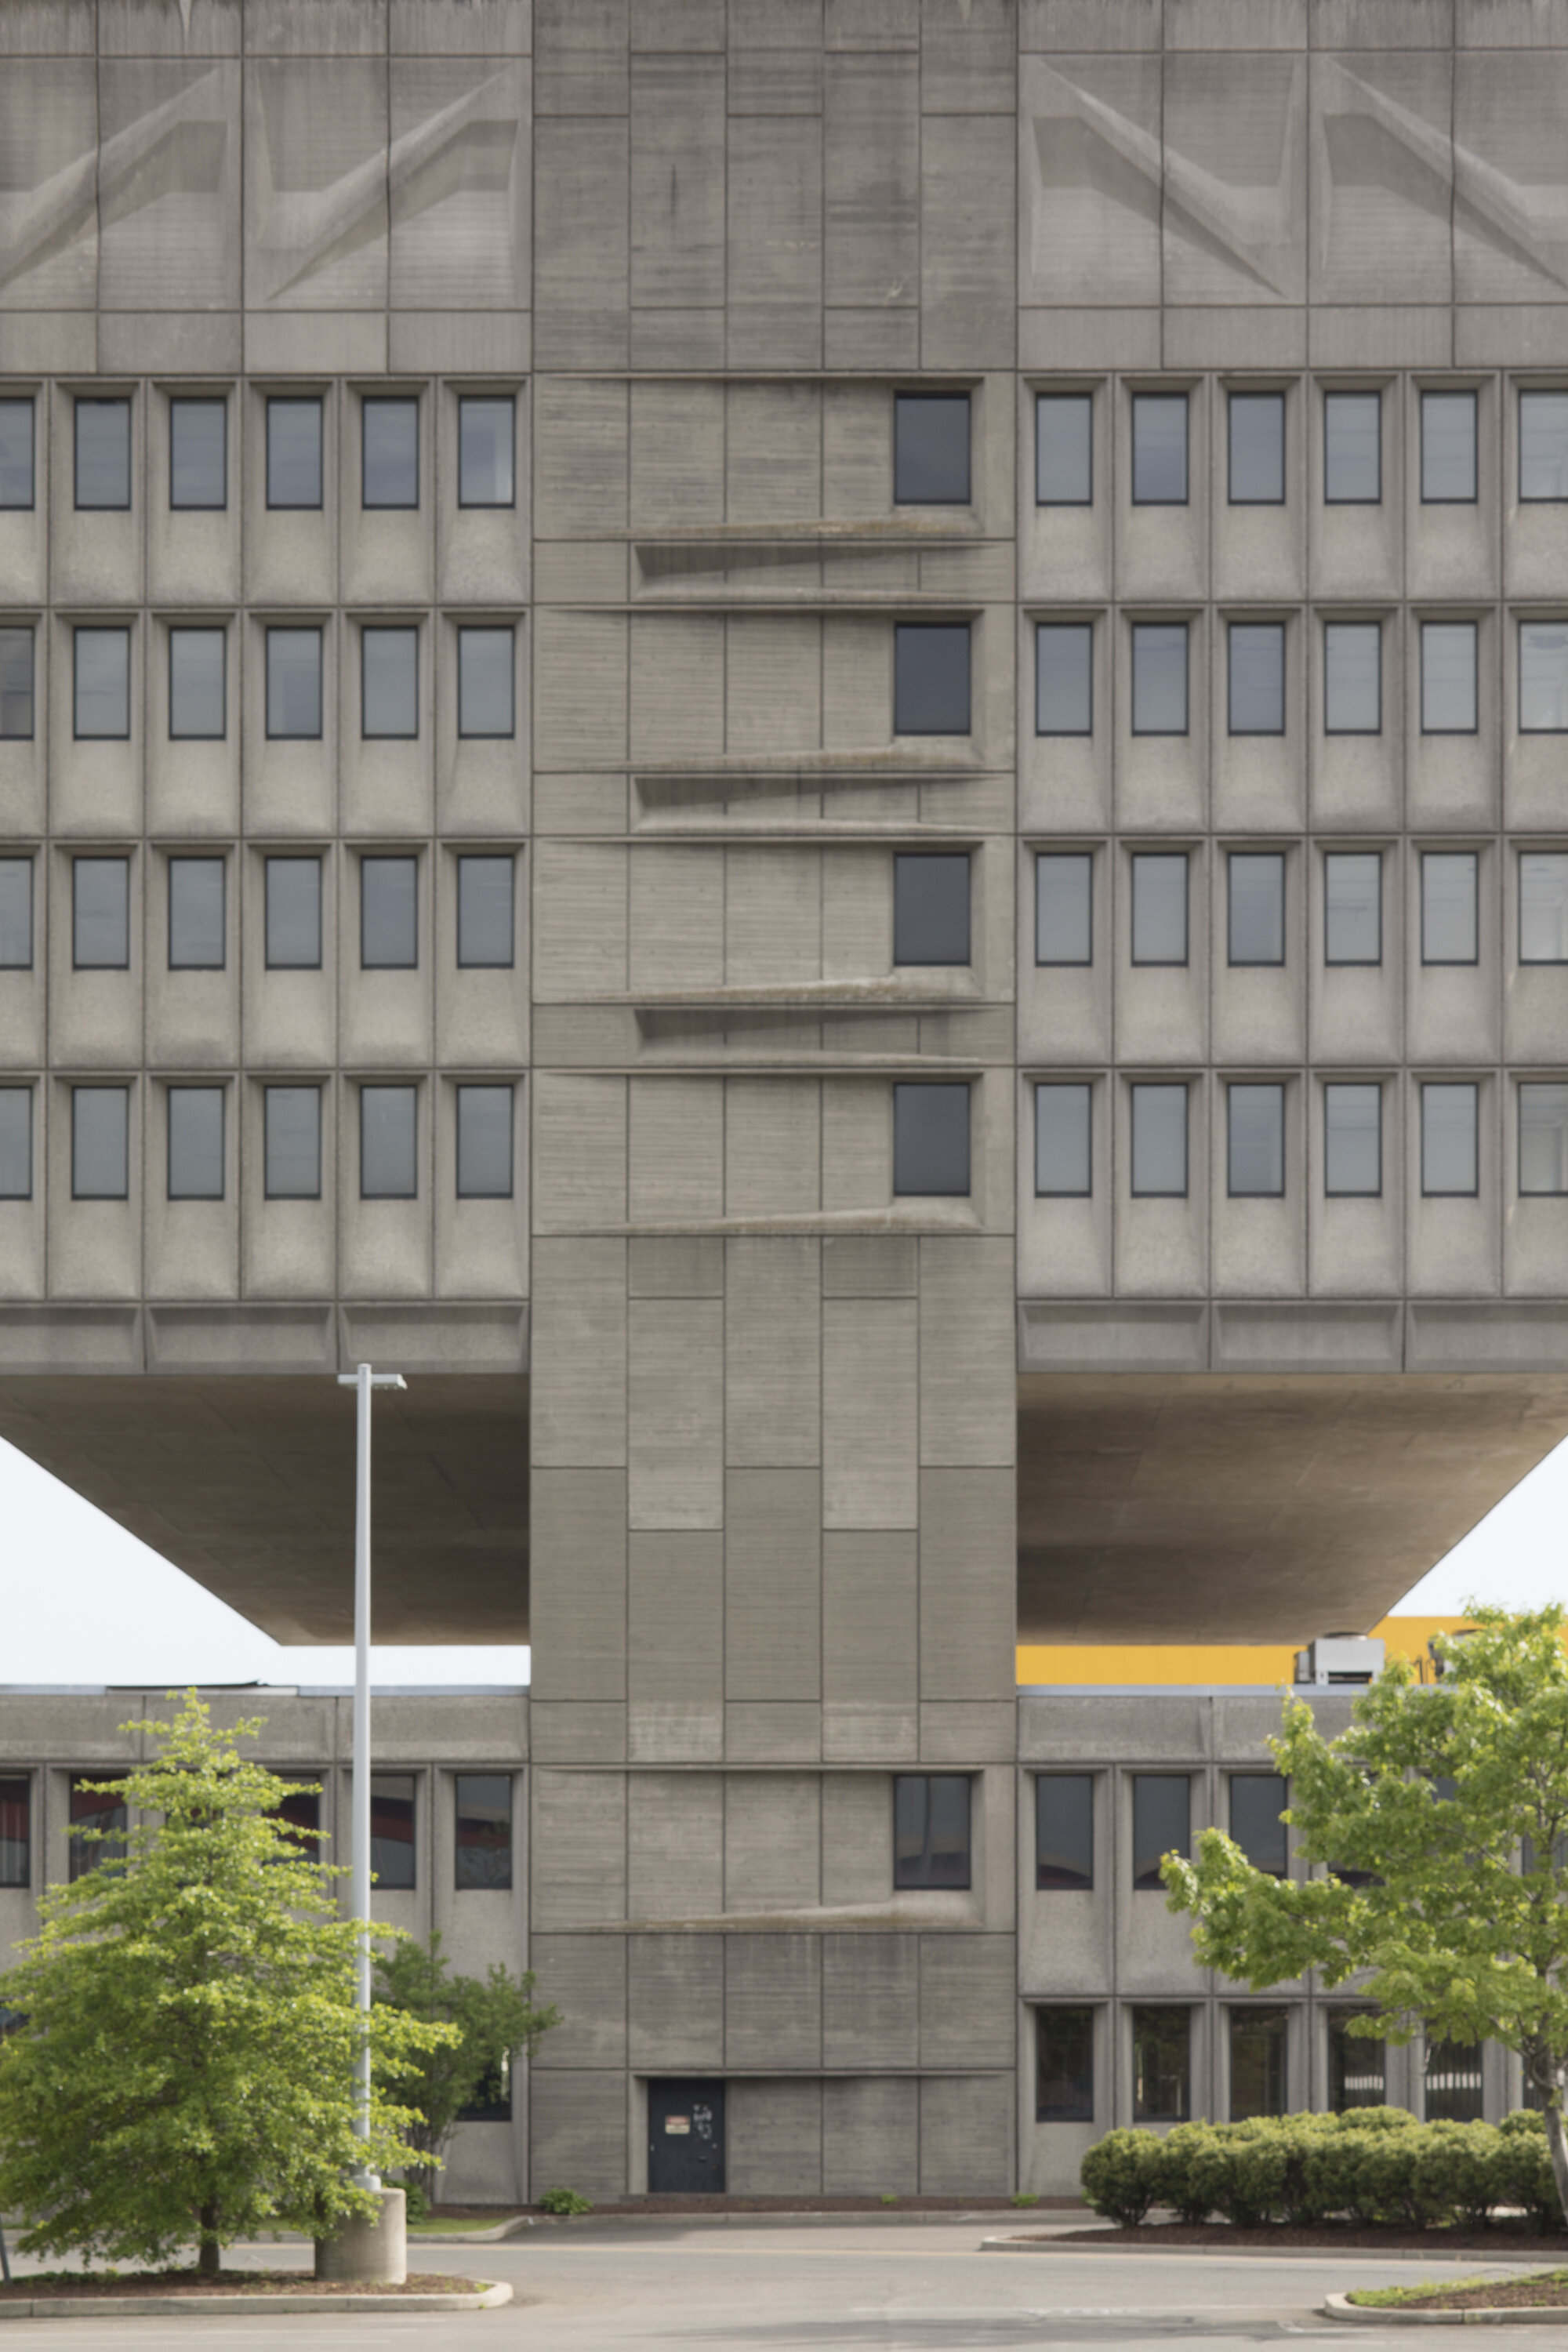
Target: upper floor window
x=486 y=433
x=1255 y=1159
x=930 y=1830
x=1160 y=677
x=1449 y=1139
x=1064 y=1140
x=1543 y=905
x=484 y=1143
x=102 y=454
x=1544 y=1138
x=196 y=914
x=389 y=684
x=1160 y=448
x=930 y=909
x=292 y=916
x=197 y=685
x=389 y=457
x=1448 y=687
x=931 y=677
x=16 y=914
x=483 y=1839
x=195 y=1143
x=1256 y=1802
x=1064 y=1831
x=1257 y=892
x=486 y=894
x=18 y=465
x=16 y=686
x=1543 y=678
x=294 y=685
x=103 y=1812
x=485 y=672
x=391 y=1824
x=1352 y=906
x=1064 y=906
x=1352 y=677
x=388 y=1157
x=1256 y=453
x=100 y=913
x=389 y=914
x=1159 y=1169
x=292 y=1142
x=1352 y=1141
x=1257 y=677
x=198 y=454
x=1353 y=449
x=101 y=684
x=100 y=1130
x=1064 y=678
x=1160 y=908
x=1448 y=448
x=1064 y=450
x=293 y=453
x=931 y=448
x=16 y=1831
x=1542 y=446
x=15 y=1177
x=1161 y=1823
x=1448 y=906
x=931 y=1140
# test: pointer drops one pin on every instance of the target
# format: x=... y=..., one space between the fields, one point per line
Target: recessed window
x=1543 y=905
x=1352 y=1141
x=1064 y=450
x=1160 y=677
x=16 y=1153
x=1256 y=702
x=100 y=1123
x=197 y=704
x=1352 y=906
x=1256 y=1802
x=389 y=913
x=1454 y=2083
x=292 y=1119
x=391 y=1820
x=931 y=1829
x=484 y=1143
x=931 y=677
x=388 y=1165
x=198 y=454
x=1353 y=449
x=1160 y=908
x=196 y=914
x=1449 y=704
x=1161 y=2064
x=1357 y=2064
x=293 y=891
x=1448 y=448
x=389 y=472
x=389 y=684
x=485 y=439
x=1544 y=1138
x=1352 y=677
x=1064 y=906
x=1256 y=425
x=483 y=1829
x=16 y=914
x=102 y=454
x=1159 y=449
x=930 y=909
x=1162 y=1825
x=1063 y=1833
x=17 y=461
x=1159 y=1142
x=485 y=672
x=930 y=1140
x=1449 y=1142
x=294 y=453
x=294 y=685
x=1063 y=1145
x=16 y=686
x=1448 y=914
x=1064 y=2043
x=100 y=914
x=104 y=1816
x=16 y=1831
x=931 y=448
x=1543 y=446
x=486 y=899
x=195 y=1143
x=1064 y=678
x=1256 y=1169
x=101 y=684
x=1543 y=678
x=1256 y=880
x=1257 y=2070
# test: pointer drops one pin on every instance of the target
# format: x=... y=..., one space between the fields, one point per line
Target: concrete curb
x=528 y=2225
x=1466 y=2260
x=1371 y=2314
x=208 y=2307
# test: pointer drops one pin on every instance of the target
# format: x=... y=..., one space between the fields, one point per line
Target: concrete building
x=810 y=746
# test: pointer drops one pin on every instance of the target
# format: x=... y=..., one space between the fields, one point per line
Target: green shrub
x=1122 y=2175
x=1457 y=2171
x=1373 y=2119
x=565 y=2201
x=1184 y=2177
x=1524 y=2170
x=416 y=2204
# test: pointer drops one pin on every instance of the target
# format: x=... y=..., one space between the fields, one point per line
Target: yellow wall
x=1171 y=1664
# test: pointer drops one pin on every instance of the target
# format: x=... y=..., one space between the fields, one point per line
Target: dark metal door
x=686 y=2138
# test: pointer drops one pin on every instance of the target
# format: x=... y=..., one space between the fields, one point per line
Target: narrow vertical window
x=197 y=690
x=1448 y=448
x=1160 y=908
x=1257 y=434
x=16 y=1147
x=1352 y=1141
x=293 y=453
x=196 y=927
x=486 y=900
x=1161 y=2064
x=389 y=684
x=1257 y=1801
x=294 y=685
x=930 y=1140
x=1063 y=1833
x=195 y=1143
x=1064 y=906
x=1449 y=1141
x=1357 y=2064
x=1448 y=695
x=484 y=1143
x=1448 y=906
x=485 y=672
x=102 y=454
x=1159 y=1142
x=931 y=448
x=931 y=1829
x=930 y=909
x=16 y=1831
x=1353 y=449
x=1256 y=880
x=1064 y=2091
x=105 y=1819
x=389 y=914
x=16 y=686
x=1543 y=905
x=1162 y=1825
x=391 y=1824
x=486 y=435
x=1544 y=1138
x=388 y=1159
x=16 y=914
x=1542 y=678
x=1352 y=906
x=931 y=677
x=1160 y=448
x=389 y=467
x=1160 y=677
x=1063 y=1140
x=293 y=914
x=291 y=1120
x=1454 y=2083
x=1352 y=677
x=1064 y=678
x=1258 y=2068
x=101 y=684
x=18 y=463
x=1064 y=450
x=198 y=454
x=483 y=1839
x=100 y=1123
x=100 y=914
x=1257 y=1142
x=1542 y=446
x=1257 y=677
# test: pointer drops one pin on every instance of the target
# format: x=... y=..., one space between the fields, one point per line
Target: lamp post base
x=370 y=2248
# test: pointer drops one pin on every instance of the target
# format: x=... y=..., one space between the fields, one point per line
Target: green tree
x=494 y=2020
x=1452 y=1799
x=184 y=2066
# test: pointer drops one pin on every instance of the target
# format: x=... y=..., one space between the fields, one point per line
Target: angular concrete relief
x=316 y=184
x=1090 y=177
x=49 y=185
x=460 y=176
x=1235 y=179
x=1382 y=178
x=1511 y=178
x=168 y=192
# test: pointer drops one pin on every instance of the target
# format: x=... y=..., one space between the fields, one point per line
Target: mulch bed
x=1493 y=2295
x=48 y=2283
x=984 y=2202
x=1501 y=2240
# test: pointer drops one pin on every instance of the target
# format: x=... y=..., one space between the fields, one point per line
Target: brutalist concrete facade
x=770 y=1552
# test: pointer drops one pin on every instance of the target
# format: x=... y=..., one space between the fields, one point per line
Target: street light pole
x=363 y=1380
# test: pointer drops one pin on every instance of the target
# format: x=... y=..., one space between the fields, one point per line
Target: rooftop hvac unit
x=1340 y=1658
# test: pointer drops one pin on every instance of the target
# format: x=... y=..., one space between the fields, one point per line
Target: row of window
x=1159 y=1115
x=198 y=452
x=292 y=916
x=482 y=1828
x=1258 y=2038
x=291 y=1123
x=1162 y=1825
x=1254 y=705
x=1255 y=436
x=293 y=699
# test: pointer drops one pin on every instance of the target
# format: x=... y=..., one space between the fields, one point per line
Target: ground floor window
x=1358 y=2066
x=1161 y=2065
x=1064 y=2092
x=1453 y=2082
x=1258 y=2068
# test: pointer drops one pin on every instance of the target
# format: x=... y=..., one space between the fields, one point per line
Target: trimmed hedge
x=1374 y=2165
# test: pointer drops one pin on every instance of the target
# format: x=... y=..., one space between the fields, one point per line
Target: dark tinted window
x=103 y=452
x=389 y=913
x=930 y=909
x=1256 y=1802
x=196 y=914
x=1453 y=2082
x=931 y=677
x=1357 y=2066
x=1256 y=422
x=95 y=1811
x=931 y=1829
x=16 y=1831
x=195 y=1143
x=391 y=1828
x=389 y=457
x=1064 y=2043
x=1257 y=2067
x=1161 y=2064
x=931 y=448
x=1064 y=450
x=1161 y=1823
x=485 y=900
x=931 y=1140
x=293 y=453
x=198 y=453
x=1064 y=1830
x=484 y=1829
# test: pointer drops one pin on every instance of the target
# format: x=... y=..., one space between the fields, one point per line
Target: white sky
x=85 y=1602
